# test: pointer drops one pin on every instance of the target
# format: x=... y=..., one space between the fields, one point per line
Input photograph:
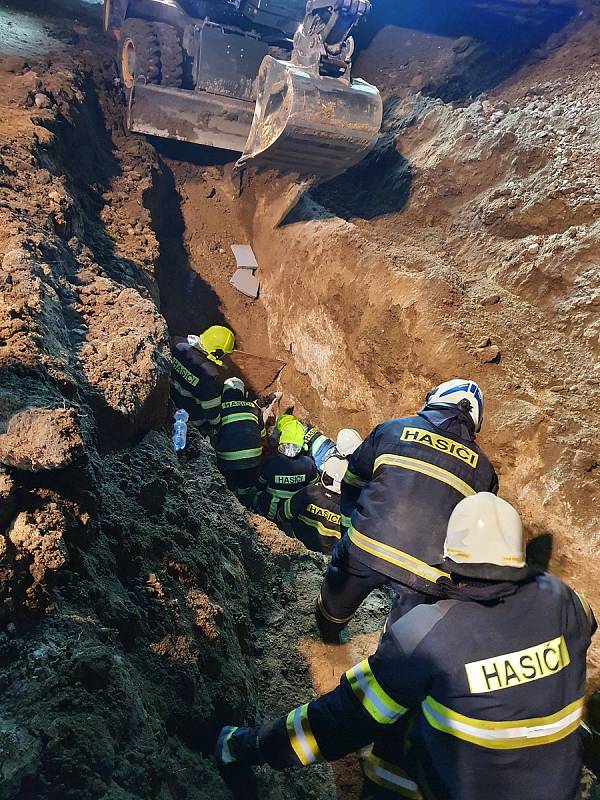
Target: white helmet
x=459 y=393
x=348 y=440
x=334 y=470
x=235 y=383
x=484 y=530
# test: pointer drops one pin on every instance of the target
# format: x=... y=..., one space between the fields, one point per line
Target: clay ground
x=141 y=608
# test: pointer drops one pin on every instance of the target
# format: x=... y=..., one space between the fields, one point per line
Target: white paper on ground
x=245 y=281
x=244 y=256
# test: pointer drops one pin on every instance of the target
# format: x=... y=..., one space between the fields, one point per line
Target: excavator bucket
x=312 y=125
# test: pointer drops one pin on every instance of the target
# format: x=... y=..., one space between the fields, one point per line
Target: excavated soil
x=141 y=607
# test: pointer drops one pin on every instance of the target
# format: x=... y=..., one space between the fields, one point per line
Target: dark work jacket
x=401 y=486
x=314 y=516
x=280 y=478
x=494 y=695
x=239 y=441
x=196 y=384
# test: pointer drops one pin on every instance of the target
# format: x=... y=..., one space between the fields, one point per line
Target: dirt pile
x=140 y=608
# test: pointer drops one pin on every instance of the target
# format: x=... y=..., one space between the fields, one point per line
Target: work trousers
x=347 y=583
x=242 y=482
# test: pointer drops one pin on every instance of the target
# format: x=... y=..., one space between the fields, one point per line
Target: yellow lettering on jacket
x=440 y=443
x=522 y=666
x=236 y=404
x=289 y=479
x=184 y=372
x=330 y=516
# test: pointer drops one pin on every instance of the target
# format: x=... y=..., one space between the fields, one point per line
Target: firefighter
x=401 y=486
x=478 y=695
x=284 y=473
x=238 y=444
x=320 y=447
x=197 y=374
x=313 y=514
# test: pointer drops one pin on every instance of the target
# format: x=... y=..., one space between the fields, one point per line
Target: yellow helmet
x=292 y=433
x=283 y=420
x=217 y=341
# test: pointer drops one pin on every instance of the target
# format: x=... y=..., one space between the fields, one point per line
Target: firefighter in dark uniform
x=197 y=374
x=284 y=473
x=313 y=514
x=476 y=696
x=238 y=443
x=401 y=486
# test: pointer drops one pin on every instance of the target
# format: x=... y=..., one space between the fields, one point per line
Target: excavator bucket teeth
x=312 y=125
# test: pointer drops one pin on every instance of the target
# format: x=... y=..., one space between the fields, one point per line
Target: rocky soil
x=140 y=607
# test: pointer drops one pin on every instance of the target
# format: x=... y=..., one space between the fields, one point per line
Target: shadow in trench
x=493 y=40
x=188 y=303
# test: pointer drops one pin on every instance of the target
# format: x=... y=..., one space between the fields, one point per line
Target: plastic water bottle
x=180 y=429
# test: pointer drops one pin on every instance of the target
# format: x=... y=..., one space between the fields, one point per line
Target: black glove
x=238 y=746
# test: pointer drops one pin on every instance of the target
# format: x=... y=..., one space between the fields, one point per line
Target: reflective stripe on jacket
x=196 y=384
x=239 y=441
x=401 y=486
x=280 y=478
x=314 y=516
x=493 y=693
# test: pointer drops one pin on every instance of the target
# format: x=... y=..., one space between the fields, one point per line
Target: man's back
x=314 y=514
x=499 y=690
x=401 y=487
x=281 y=477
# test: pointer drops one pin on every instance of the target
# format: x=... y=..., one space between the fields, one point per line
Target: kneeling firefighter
x=476 y=696
x=197 y=374
x=313 y=514
x=401 y=486
x=238 y=444
x=284 y=473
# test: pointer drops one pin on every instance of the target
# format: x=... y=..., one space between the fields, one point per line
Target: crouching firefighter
x=478 y=695
x=197 y=374
x=313 y=514
x=238 y=444
x=284 y=473
x=401 y=486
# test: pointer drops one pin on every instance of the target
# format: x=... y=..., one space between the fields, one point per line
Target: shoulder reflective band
x=319 y=527
x=586 y=607
x=521 y=666
x=440 y=443
x=390 y=777
x=353 y=480
x=287 y=509
x=227 y=757
x=241 y=417
x=327 y=615
x=395 y=557
x=507 y=735
x=345 y=521
x=425 y=468
x=239 y=455
x=301 y=736
x=214 y=403
x=374 y=699
x=183 y=392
